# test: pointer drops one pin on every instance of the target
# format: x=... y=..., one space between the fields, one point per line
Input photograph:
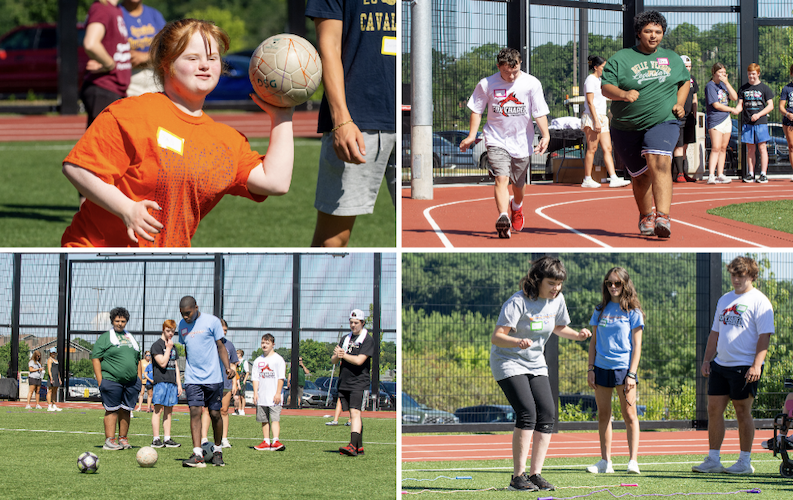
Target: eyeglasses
x=613 y=284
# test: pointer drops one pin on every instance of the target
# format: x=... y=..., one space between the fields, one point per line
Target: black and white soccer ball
x=207 y=449
x=88 y=463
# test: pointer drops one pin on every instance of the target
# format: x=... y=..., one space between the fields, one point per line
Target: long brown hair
x=628 y=299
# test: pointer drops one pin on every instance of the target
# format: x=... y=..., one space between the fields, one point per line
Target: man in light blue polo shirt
x=201 y=335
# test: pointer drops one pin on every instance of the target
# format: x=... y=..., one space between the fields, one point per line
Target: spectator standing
x=147 y=382
x=755 y=101
x=688 y=130
x=718 y=94
x=786 y=108
x=228 y=385
x=34 y=378
x=143 y=22
x=302 y=371
x=733 y=363
x=268 y=372
x=511 y=98
x=116 y=362
x=357 y=116
x=167 y=385
x=55 y=380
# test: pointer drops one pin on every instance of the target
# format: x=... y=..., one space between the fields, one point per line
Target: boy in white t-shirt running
x=511 y=97
x=268 y=373
x=733 y=362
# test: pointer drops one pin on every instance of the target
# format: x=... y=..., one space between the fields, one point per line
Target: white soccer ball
x=285 y=70
x=88 y=463
x=147 y=456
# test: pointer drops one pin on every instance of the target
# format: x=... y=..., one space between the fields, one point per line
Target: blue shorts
x=610 y=378
x=116 y=395
x=209 y=395
x=632 y=145
x=755 y=134
x=165 y=394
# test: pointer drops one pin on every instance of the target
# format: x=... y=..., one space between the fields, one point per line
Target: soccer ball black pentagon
x=88 y=463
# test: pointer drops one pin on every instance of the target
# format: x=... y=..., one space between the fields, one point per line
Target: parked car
x=485 y=413
x=391 y=389
x=29 y=59
x=456 y=137
x=777 y=146
x=588 y=403
x=234 y=84
x=444 y=153
x=414 y=412
x=80 y=387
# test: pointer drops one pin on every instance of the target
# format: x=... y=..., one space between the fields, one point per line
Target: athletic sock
x=587 y=178
x=504 y=214
x=267 y=440
x=167 y=438
x=514 y=206
x=745 y=457
x=198 y=451
x=677 y=165
x=217 y=449
x=204 y=440
x=714 y=455
x=158 y=437
x=275 y=438
x=355 y=439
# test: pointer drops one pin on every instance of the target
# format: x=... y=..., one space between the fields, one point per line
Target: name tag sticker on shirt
x=536 y=326
x=663 y=61
x=603 y=322
x=500 y=93
x=169 y=140
x=741 y=308
x=389 y=46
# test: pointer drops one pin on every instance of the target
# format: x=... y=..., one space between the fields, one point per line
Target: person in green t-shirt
x=301 y=382
x=116 y=363
x=649 y=86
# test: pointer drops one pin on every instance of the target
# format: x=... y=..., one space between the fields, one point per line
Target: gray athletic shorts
x=503 y=165
x=346 y=189
x=268 y=413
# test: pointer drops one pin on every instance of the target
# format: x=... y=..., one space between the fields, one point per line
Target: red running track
x=71 y=128
x=568 y=216
x=569 y=444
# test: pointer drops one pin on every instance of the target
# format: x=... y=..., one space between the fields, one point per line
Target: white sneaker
x=51 y=408
x=711 y=179
x=618 y=182
x=56 y=408
x=332 y=422
x=38 y=407
x=590 y=183
x=602 y=467
x=722 y=179
x=28 y=407
x=225 y=443
x=740 y=468
x=633 y=467
x=709 y=466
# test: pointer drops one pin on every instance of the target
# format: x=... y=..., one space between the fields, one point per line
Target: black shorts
x=96 y=99
x=688 y=131
x=351 y=399
x=731 y=380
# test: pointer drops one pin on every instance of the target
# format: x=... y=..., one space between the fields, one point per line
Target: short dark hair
x=119 y=312
x=187 y=301
x=544 y=267
x=508 y=56
x=642 y=19
x=269 y=336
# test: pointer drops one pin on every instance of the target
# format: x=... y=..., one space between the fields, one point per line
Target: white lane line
x=436 y=228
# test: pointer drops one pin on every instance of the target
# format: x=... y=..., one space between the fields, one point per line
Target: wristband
x=591 y=370
x=632 y=375
x=340 y=125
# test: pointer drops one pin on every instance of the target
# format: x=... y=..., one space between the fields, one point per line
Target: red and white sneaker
x=517 y=218
x=262 y=446
x=277 y=446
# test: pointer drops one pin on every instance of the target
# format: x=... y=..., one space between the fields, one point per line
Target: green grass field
x=777 y=214
x=46 y=446
x=662 y=476
x=37 y=203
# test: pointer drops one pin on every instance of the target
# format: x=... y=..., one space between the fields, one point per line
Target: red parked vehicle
x=29 y=59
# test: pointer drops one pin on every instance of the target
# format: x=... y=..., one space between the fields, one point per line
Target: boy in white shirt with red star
x=268 y=373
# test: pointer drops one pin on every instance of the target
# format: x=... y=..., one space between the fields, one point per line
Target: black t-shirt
x=167 y=374
x=692 y=91
x=356 y=377
x=755 y=98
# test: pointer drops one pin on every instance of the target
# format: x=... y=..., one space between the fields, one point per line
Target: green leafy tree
x=5 y=357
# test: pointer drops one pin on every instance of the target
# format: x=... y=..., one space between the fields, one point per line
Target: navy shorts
x=209 y=395
x=116 y=395
x=351 y=399
x=731 y=380
x=632 y=145
x=610 y=378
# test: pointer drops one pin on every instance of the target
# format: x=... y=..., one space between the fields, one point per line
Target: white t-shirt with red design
x=740 y=319
x=510 y=107
x=267 y=371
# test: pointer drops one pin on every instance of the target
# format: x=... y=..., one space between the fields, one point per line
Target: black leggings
x=532 y=400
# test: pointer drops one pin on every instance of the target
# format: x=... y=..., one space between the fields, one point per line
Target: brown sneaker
x=662 y=229
x=647 y=224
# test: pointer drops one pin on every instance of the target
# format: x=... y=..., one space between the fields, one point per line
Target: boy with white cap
x=354 y=351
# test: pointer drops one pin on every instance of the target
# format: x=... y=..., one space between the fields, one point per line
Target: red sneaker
x=680 y=177
x=262 y=446
x=517 y=217
x=647 y=224
x=277 y=446
x=360 y=450
x=349 y=450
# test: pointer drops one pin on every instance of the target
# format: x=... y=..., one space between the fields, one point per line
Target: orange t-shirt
x=151 y=150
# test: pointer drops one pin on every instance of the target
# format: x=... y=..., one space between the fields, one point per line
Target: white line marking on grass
x=546 y=466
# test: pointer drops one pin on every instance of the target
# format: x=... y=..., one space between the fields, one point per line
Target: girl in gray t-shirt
x=517 y=361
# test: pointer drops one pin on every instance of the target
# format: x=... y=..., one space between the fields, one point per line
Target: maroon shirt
x=116 y=42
